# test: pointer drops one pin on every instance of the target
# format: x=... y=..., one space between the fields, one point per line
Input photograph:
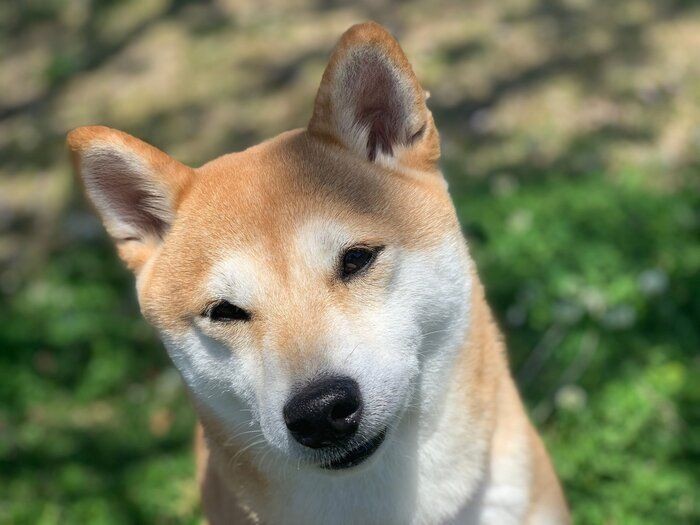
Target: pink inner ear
x=123 y=195
x=381 y=136
x=382 y=100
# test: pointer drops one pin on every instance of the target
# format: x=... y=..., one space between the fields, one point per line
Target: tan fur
x=252 y=201
x=219 y=486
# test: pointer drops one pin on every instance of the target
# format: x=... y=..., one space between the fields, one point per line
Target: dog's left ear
x=370 y=102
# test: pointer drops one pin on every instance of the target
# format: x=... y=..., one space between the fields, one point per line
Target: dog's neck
x=435 y=463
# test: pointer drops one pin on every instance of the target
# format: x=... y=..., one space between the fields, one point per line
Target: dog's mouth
x=356 y=455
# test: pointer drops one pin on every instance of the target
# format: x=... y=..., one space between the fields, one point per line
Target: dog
x=317 y=296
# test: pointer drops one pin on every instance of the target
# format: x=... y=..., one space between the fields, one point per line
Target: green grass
x=612 y=269
x=95 y=425
x=595 y=281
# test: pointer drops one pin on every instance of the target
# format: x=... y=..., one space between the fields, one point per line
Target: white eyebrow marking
x=239 y=278
x=319 y=242
x=244 y=275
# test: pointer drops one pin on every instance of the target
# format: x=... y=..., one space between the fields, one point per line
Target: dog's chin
x=349 y=459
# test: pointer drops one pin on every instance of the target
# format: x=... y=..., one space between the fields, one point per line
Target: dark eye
x=356 y=259
x=225 y=311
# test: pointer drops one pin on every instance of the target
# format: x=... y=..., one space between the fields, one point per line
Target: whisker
x=253 y=444
x=350 y=354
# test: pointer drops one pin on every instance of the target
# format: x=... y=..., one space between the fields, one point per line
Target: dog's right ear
x=134 y=187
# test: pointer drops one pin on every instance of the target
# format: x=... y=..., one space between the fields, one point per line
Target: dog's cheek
x=218 y=379
x=420 y=314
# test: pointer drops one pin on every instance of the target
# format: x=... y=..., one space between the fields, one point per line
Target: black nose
x=326 y=412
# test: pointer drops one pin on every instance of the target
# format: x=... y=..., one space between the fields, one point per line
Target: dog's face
x=308 y=289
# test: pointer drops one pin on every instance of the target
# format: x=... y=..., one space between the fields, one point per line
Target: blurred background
x=571 y=140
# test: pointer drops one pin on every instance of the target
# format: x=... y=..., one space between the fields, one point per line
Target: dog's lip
x=357 y=455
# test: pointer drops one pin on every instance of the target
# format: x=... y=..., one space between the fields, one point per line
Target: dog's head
x=309 y=289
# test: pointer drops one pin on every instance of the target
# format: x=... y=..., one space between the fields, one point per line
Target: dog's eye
x=225 y=311
x=356 y=259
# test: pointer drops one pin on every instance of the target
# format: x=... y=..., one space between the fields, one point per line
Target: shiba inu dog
x=317 y=296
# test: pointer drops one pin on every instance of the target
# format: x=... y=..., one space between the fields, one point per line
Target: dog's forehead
x=285 y=179
x=266 y=193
